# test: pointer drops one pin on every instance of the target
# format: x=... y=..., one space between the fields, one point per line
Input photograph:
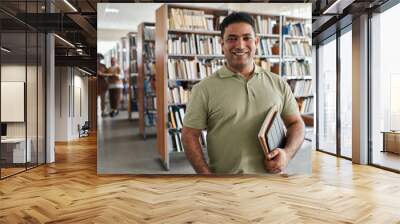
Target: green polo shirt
x=232 y=109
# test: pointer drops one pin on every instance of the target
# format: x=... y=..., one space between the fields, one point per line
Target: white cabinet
x=16 y=148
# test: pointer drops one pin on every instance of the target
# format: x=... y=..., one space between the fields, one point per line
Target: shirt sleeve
x=290 y=106
x=197 y=109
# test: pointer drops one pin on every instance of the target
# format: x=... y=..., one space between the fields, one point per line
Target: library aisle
x=122 y=150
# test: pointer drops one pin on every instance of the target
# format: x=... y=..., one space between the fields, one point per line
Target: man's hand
x=276 y=160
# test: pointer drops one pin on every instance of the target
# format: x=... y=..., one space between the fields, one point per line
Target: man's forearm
x=295 y=138
x=194 y=153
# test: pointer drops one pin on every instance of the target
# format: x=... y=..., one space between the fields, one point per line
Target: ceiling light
x=86 y=72
x=5 y=50
x=337 y=7
x=64 y=40
x=70 y=5
x=111 y=10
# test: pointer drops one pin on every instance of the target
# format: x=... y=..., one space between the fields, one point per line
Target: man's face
x=239 y=45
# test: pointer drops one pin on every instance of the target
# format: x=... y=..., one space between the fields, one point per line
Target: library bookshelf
x=146 y=97
x=133 y=74
x=296 y=61
x=188 y=50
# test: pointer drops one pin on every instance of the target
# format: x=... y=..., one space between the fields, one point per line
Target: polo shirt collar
x=224 y=72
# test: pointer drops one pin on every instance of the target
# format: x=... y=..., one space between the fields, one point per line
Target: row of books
x=192 y=69
x=266 y=25
x=298 y=29
x=149 y=50
x=268 y=47
x=194 y=44
x=149 y=86
x=150 y=103
x=297 y=48
x=306 y=105
x=176 y=114
x=149 y=67
x=301 y=87
x=176 y=140
x=178 y=95
x=295 y=69
x=132 y=41
x=190 y=19
x=133 y=53
x=149 y=33
x=133 y=66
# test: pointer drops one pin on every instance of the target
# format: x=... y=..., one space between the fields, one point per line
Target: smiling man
x=232 y=104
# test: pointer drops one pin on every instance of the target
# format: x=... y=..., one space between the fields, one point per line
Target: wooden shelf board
x=206 y=32
x=268 y=35
x=305 y=96
x=306 y=77
x=295 y=37
x=196 y=56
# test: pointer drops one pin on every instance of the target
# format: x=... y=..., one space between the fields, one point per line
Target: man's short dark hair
x=237 y=17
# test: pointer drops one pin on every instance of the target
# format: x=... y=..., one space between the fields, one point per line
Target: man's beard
x=239 y=63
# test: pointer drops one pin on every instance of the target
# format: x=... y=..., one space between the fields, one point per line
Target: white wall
x=71 y=102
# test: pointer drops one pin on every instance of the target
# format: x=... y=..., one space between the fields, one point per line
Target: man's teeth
x=239 y=53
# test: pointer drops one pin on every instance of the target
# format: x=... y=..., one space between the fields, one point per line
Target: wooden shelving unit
x=163 y=84
x=296 y=67
x=146 y=92
x=275 y=57
x=133 y=74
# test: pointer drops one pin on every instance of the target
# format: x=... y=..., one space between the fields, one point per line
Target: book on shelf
x=149 y=68
x=299 y=48
x=306 y=105
x=182 y=69
x=189 y=19
x=208 y=67
x=149 y=33
x=151 y=103
x=182 y=44
x=208 y=45
x=272 y=133
x=265 y=25
x=301 y=88
x=133 y=66
x=194 y=44
x=295 y=69
x=192 y=68
x=132 y=41
x=298 y=29
x=149 y=50
x=178 y=95
x=176 y=115
x=268 y=47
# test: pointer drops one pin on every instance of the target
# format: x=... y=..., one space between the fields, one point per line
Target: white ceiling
x=111 y=26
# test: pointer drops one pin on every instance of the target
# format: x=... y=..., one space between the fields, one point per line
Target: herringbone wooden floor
x=69 y=191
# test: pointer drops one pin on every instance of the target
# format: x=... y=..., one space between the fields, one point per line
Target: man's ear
x=221 y=41
x=257 y=41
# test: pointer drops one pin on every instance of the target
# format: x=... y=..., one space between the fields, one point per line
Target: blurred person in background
x=115 y=86
x=102 y=84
